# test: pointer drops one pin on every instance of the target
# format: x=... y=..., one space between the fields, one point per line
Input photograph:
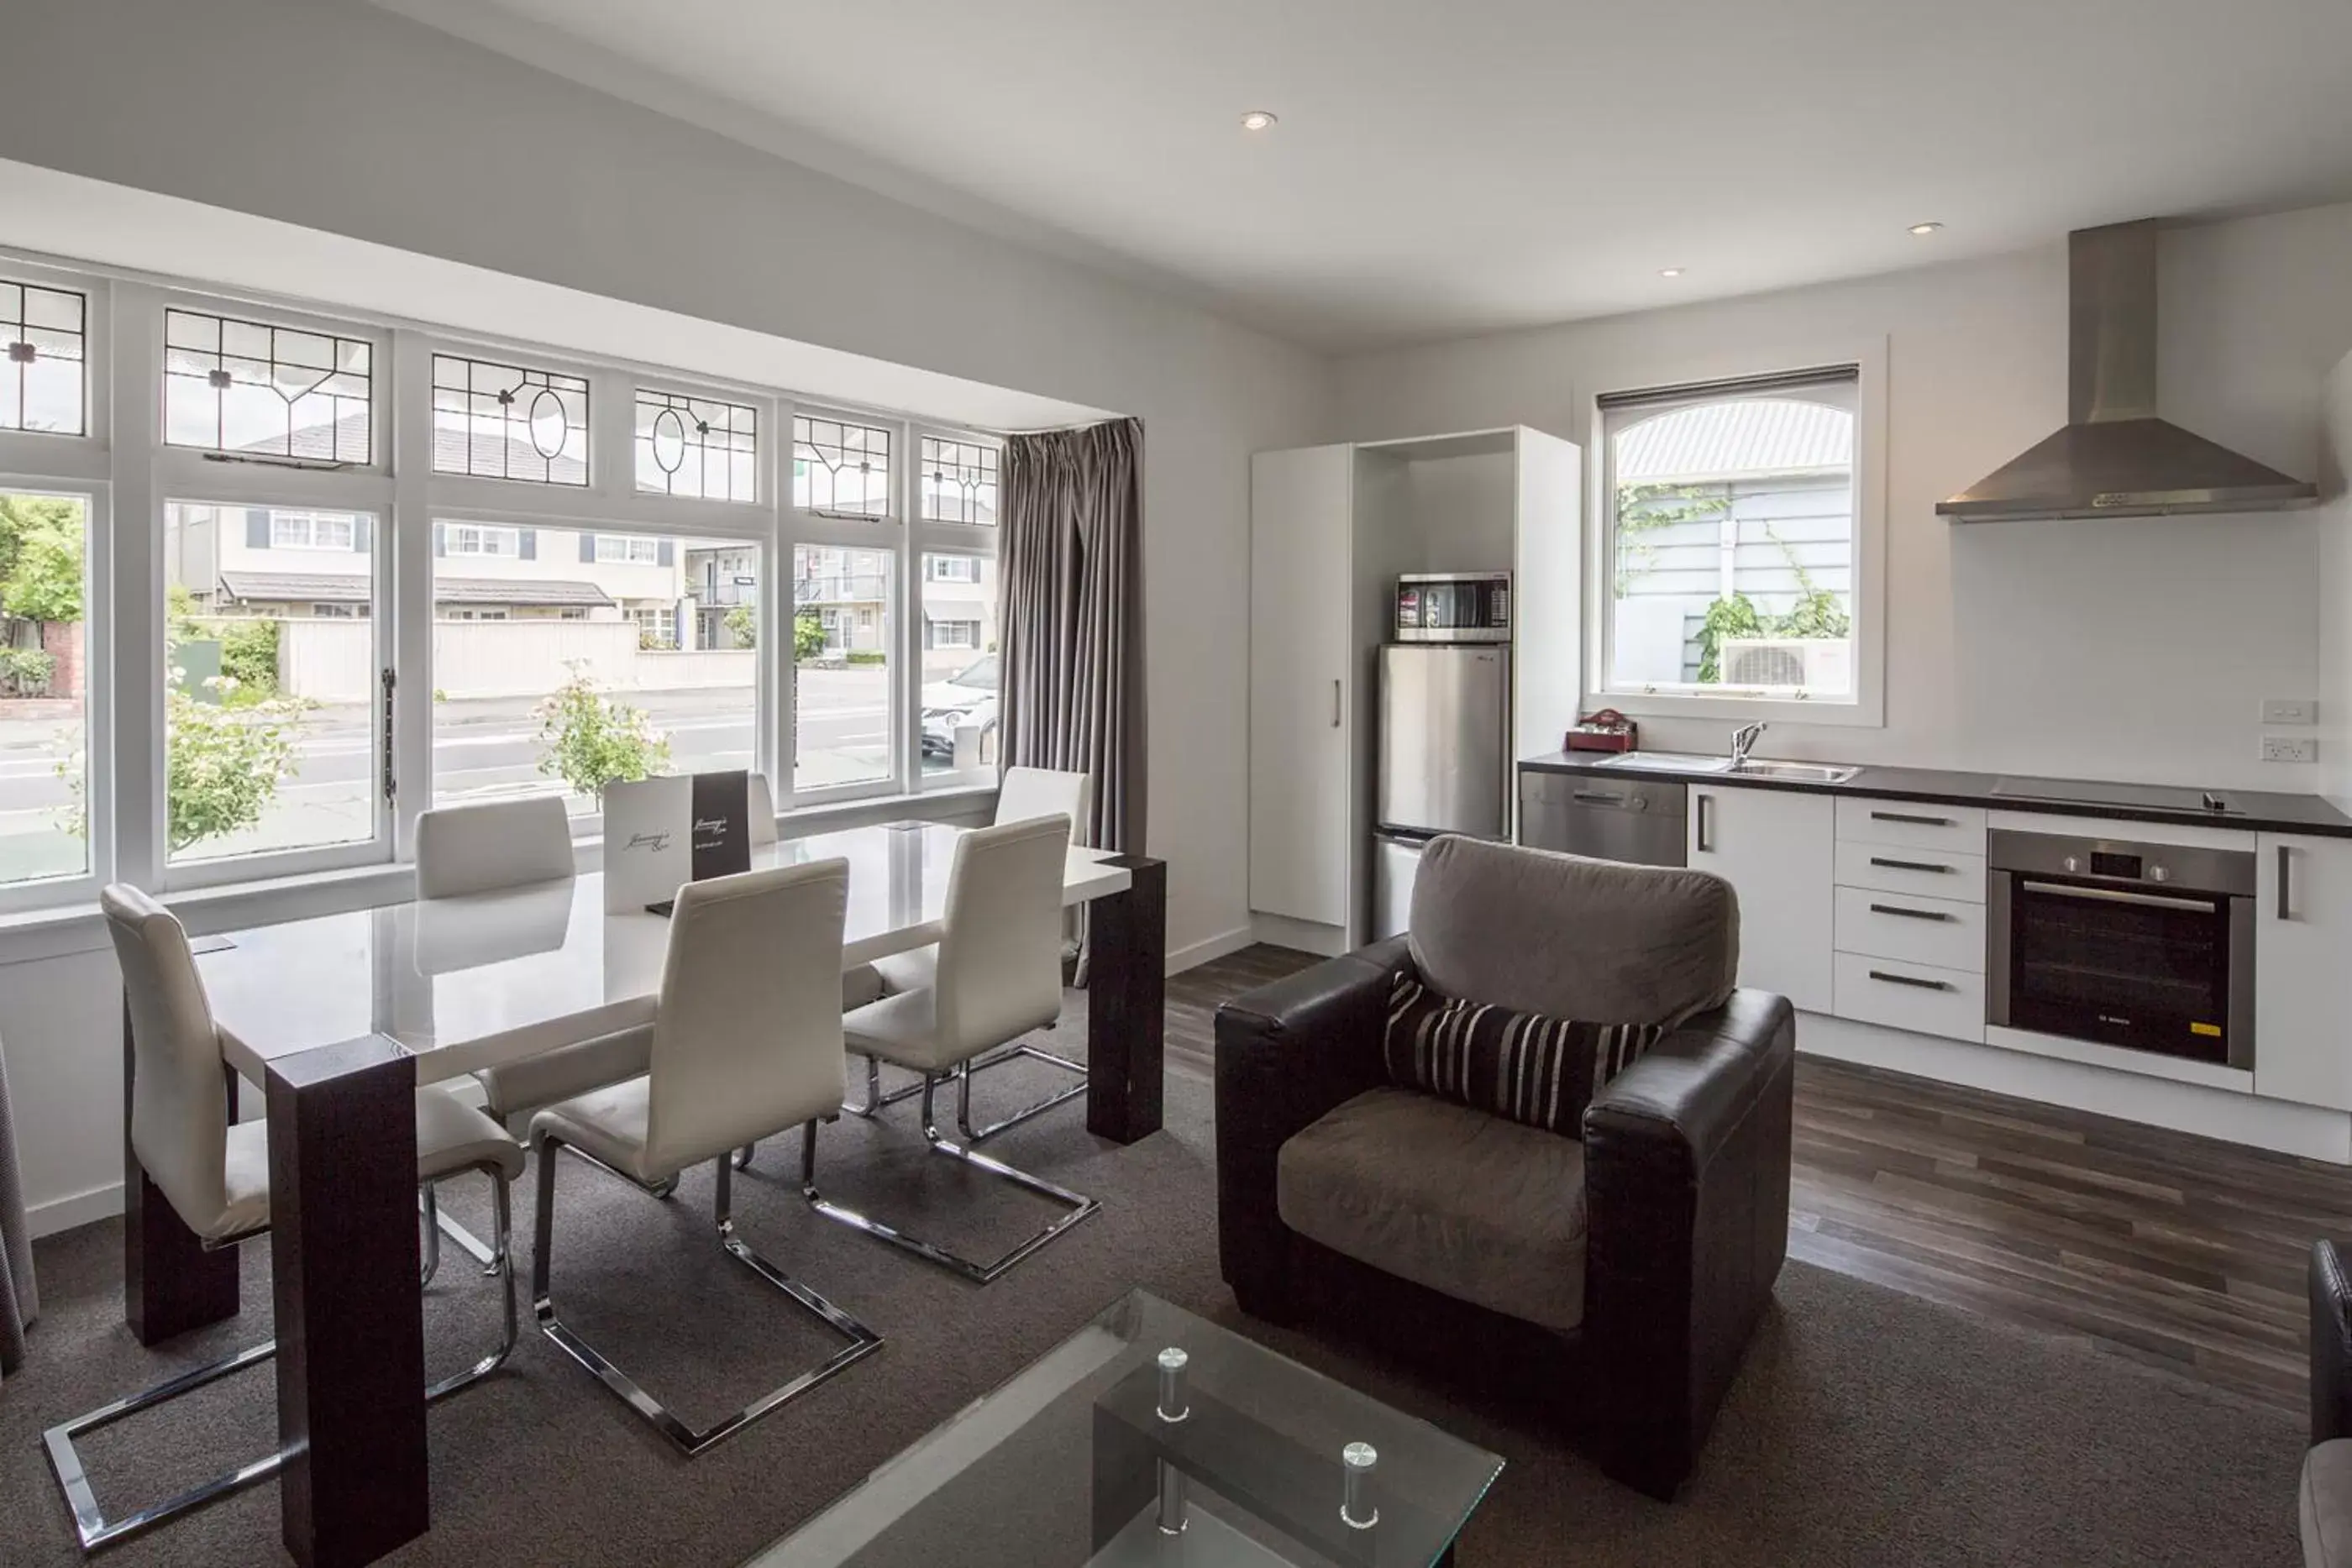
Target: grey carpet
x=1868 y=1428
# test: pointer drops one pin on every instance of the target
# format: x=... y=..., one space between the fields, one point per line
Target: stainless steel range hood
x=2113 y=457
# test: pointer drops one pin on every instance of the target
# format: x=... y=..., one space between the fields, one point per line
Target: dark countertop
x=2251 y=810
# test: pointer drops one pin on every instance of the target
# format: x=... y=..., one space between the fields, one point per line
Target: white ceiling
x=1476 y=164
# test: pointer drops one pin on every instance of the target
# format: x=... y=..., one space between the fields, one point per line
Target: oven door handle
x=2118 y=896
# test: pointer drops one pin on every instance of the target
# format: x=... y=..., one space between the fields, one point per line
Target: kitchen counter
x=2251 y=810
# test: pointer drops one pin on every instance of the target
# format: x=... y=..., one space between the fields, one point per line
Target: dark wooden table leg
x=170 y=1284
x=351 y=1330
x=1126 y=984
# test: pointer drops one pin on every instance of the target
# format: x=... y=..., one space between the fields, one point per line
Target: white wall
x=2119 y=648
x=2335 y=528
x=377 y=128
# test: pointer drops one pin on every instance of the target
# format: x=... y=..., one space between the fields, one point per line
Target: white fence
x=334 y=660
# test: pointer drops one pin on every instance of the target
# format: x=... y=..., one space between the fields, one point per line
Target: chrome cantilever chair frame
x=1080 y=1205
x=96 y=1532
x=877 y=1101
x=863 y=1340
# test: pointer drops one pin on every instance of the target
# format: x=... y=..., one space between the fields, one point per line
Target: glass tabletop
x=1153 y=1437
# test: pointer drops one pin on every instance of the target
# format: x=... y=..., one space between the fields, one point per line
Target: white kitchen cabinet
x=2303 y=970
x=1779 y=849
x=1302 y=704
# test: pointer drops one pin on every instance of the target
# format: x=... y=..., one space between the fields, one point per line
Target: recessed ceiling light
x=1258 y=120
x=1670 y=272
x=1924 y=228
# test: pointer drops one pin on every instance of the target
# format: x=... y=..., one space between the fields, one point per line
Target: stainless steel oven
x=2149 y=946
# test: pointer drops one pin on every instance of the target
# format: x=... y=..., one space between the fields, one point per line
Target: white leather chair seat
x=451 y=1136
x=901 y=1029
x=516 y=1087
x=609 y=1124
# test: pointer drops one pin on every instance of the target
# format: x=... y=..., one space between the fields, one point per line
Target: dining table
x=339 y=1018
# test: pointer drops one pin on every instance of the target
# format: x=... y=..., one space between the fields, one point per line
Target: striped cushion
x=1537 y=1071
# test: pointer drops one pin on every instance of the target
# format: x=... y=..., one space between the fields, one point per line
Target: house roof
x=350 y=588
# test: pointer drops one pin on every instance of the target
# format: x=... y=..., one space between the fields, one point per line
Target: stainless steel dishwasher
x=1589 y=813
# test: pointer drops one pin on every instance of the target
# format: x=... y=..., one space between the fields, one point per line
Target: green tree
x=742 y=624
x=43 y=547
x=249 y=653
x=1646 y=508
x=222 y=767
x=591 y=740
x=1732 y=615
x=808 y=636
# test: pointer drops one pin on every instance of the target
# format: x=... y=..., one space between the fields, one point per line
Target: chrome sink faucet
x=1743 y=740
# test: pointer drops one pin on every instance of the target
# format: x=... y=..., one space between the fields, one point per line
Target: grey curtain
x=1072 y=693
x=19 y=1304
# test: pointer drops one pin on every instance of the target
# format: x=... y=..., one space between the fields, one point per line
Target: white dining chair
x=215 y=1175
x=998 y=976
x=1026 y=794
x=466 y=851
x=746 y=1043
x=761 y=809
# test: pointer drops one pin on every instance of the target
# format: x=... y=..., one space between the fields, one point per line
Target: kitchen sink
x=1800 y=772
x=1755 y=768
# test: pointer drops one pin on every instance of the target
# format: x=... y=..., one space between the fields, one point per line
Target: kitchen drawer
x=1946 y=932
x=1910 y=825
x=1935 y=873
x=1921 y=997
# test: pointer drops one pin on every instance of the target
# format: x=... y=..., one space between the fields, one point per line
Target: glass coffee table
x=1154 y=1437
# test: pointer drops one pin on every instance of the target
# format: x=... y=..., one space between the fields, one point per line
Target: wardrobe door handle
x=1907 y=865
x=1334 y=705
x=1912 y=980
x=1912 y=913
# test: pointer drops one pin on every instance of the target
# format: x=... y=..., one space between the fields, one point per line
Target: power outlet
x=2290 y=710
x=2290 y=748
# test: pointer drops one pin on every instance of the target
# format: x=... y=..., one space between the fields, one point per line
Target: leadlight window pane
x=277 y=392
x=496 y=420
x=698 y=447
x=959 y=481
x=44 y=349
x=841 y=468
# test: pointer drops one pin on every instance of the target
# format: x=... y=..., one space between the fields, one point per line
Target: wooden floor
x=2171 y=1249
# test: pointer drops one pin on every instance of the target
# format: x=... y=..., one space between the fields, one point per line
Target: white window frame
x=627 y=553
x=483 y=534
x=1866 y=707
x=978 y=541
x=311 y=521
x=99 y=692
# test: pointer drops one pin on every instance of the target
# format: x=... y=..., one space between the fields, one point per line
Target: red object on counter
x=1607 y=730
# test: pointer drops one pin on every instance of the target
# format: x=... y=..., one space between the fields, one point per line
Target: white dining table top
x=473 y=982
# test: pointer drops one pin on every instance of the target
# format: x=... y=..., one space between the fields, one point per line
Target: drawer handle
x=1915 y=822
x=1913 y=914
x=1907 y=865
x=1912 y=980
x=1593 y=797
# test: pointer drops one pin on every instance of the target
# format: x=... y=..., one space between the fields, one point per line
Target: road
x=482 y=749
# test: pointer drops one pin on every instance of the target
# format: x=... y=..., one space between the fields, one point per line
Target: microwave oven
x=1451 y=607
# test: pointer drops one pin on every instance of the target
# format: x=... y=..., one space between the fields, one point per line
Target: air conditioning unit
x=1810 y=663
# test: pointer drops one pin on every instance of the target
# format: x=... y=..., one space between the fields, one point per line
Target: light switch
x=2290 y=710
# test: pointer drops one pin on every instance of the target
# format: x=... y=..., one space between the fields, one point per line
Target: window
x=271 y=718
x=959 y=695
x=45 y=333
x=506 y=422
x=245 y=386
x=840 y=468
x=542 y=685
x=1733 y=539
x=627 y=549
x=959 y=481
x=44 y=690
x=697 y=446
x=841 y=668
x=338 y=612
x=479 y=538
x=313 y=530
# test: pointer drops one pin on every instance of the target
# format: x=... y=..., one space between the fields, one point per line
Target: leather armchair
x=2326 y=1500
x=1686 y=1157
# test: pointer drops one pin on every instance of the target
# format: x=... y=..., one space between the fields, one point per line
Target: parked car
x=966 y=697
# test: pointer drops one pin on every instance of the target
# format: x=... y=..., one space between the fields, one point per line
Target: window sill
x=62 y=930
x=1866 y=712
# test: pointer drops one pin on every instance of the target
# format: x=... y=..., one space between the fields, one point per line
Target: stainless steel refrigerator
x=1445 y=761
